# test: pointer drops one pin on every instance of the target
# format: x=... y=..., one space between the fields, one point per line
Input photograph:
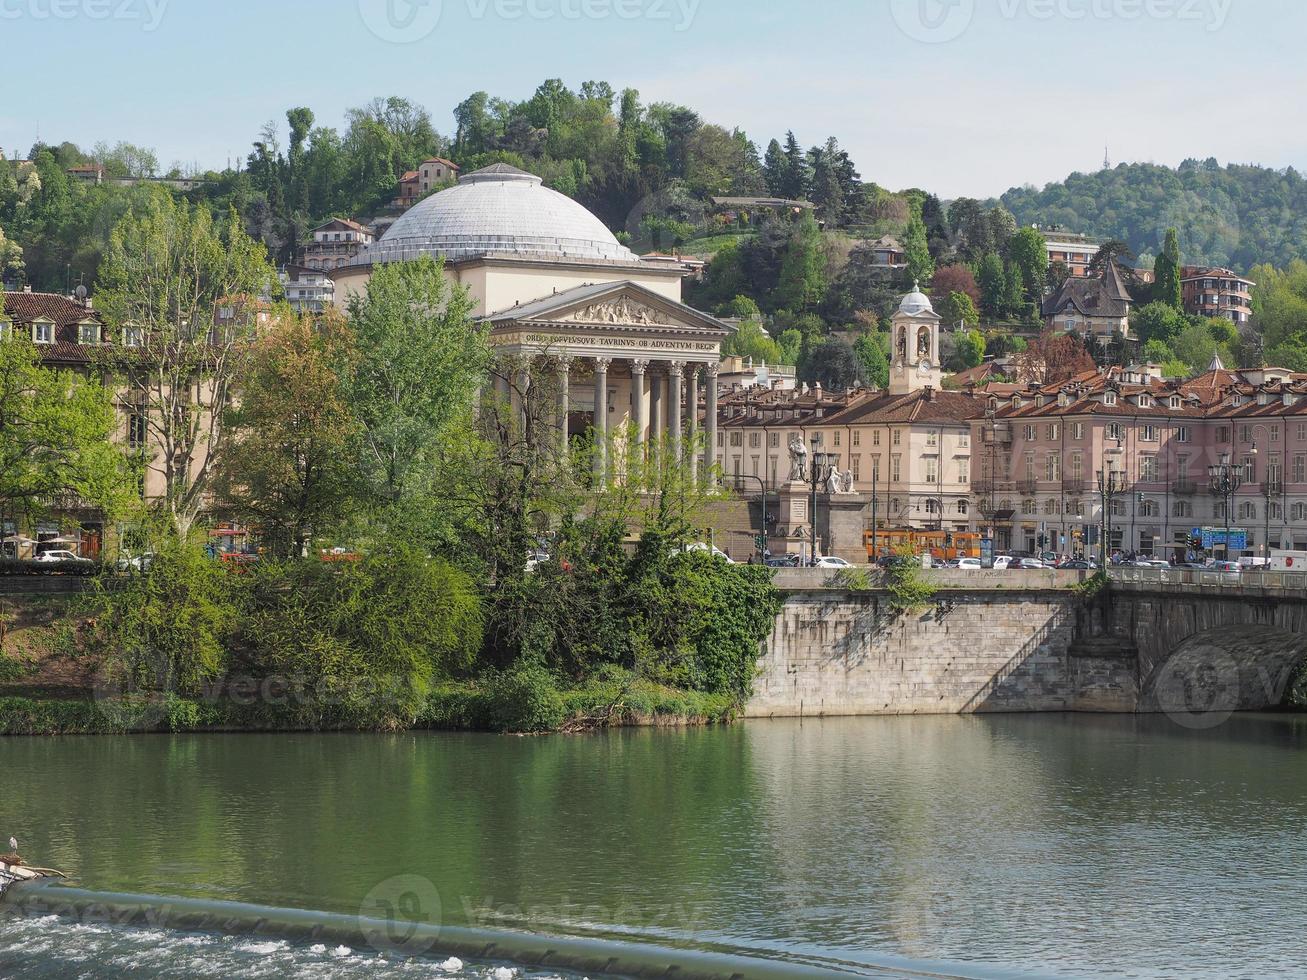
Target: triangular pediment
x=614 y=305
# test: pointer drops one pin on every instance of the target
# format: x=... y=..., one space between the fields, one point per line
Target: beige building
x=556 y=286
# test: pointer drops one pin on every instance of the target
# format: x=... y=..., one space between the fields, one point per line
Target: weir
x=403 y=938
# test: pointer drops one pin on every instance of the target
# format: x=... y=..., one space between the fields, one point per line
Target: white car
x=830 y=561
x=717 y=552
x=58 y=556
x=536 y=558
x=969 y=564
x=1001 y=562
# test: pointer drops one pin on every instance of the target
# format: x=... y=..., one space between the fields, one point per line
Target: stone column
x=710 y=421
x=675 y=389
x=638 y=366
x=692 y=410
x=564 y=400
x=657 y=407
x=601 y=417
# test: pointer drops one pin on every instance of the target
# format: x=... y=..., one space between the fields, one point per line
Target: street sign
x=1214 y=537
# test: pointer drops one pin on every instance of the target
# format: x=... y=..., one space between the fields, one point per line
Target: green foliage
x=1235 y=216
x=958 y=308
x=909 y=592
x=1166 y=272
x=366 y=638
x=833 y=363
x=1028 y=252
x=750 y=340
x=916 y=252
x=802 y=280
x=870 y=351
x=1157 y=321
x=169 y=630
x=525 y=698
x=969 y=349
x=56 y=437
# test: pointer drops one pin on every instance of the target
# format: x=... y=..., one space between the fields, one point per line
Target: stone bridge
x=1031 y=642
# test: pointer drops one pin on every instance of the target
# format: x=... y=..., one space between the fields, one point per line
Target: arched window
x=1118 y=507
x=1276 y=512
x=1247 y=510
x=1148 y=508
x=1300 y=512
x=1050 y=506
x=894 y=505
x=932 y=506
x=1182 y=508
x=1028 y=506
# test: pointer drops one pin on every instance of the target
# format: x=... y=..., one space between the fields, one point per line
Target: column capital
x=564 y=363
x=639 y=365
x=676 y=368
x=711 y=368
x=603 y=363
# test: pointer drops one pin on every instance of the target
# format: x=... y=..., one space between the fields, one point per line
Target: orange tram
x=942 y=545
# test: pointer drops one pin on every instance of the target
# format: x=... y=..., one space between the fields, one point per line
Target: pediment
x=620 y=310
x=616 y=305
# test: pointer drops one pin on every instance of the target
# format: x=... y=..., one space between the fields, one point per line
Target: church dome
x=499 y=210
x=916 y=302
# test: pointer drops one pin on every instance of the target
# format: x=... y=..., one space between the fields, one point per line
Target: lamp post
x=1136 y=500
x=1111 y=484
x=819 y=469
x=1225 y=479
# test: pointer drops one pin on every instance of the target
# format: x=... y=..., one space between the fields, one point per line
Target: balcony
x=1074 y=485
x=1027 y=486
x=1184 y=488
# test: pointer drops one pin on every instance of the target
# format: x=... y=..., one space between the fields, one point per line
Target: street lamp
x=1225 y=479
x=1111 y=484
x=819 y=470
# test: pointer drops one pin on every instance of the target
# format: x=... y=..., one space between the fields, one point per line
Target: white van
x=1288 y=561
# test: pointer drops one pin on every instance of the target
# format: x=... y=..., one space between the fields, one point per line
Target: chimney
x=971 y=389
x=27 y=287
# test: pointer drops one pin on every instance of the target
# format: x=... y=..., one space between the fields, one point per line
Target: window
x=1076 y=507
x=1222 y=433
x=964 y=471
x=1109 y=398
x=894 y=466
x=857 y=437
x=1077 y=430
x=1148 y=468
x=1148 y=508
x=1182 y=433
x=932 y=438
x=962 y=508
x=964 y=441
x=773 y=439
x=1118 y=507
x=1245 y=433
x=857 y=468
x=875 y=437
x=1030 y=433
x=1300 y=512
x=1077 y=467
x=1300 y=469
x=1030 y=466
x=1114 y=431
x=1275 y=433
x=1149 y=434
x=1302 y=431
x=1028 y=507
x=755 y=440
x=721 y=439
x=932 y=471
x=837 y=437
x=136 y=430
x=1052 y=432
x=1247 y=510
x=1275 y=512
x=1182 y=508
x=1249 y=471
x=1050 y=507
x=897 y=433
x=42 y=332
x=1053 y=467
x=737 y=439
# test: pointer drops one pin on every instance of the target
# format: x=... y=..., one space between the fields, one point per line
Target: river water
x=1032 y=845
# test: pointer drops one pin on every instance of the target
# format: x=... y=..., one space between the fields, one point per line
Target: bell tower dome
x=914 y=345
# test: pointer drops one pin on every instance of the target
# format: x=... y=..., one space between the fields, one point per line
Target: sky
x=961 y=97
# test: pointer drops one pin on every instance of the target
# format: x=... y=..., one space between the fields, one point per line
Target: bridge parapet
x=1247 y=584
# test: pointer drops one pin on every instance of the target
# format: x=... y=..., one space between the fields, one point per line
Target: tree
x=418 y=361
x=1156 y=322
x=774 y=169
x=992 y=282
x=1166 y=272
x=1113 y=250
x=802 y=281
x=968 y=349
x=956 y=278
x=167 y=276
x=1028 y=252
x=287 y=471
x=791 y=342
x=750 y=340
x=870 y=351
x=1053 y=357
x=832 y=364
x=916 y=251
x=56 y=438
x=957 y=308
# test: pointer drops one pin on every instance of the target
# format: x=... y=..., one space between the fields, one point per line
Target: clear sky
x=958 y=96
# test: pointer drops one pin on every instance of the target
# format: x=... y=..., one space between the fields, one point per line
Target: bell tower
x=914 y=345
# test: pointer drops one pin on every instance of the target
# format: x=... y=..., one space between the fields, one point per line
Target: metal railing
x=1248 y=578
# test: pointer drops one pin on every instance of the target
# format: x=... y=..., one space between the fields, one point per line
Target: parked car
x=894 y=561
x=58 y=555
x=138 y=563
x=535 y=558
x=717 y=552
x=783 y=561
x=1152 y=563
x=830 y=561
x=1024 y=563
x=969 y=564
x=1002 y=562
x=1079 y=564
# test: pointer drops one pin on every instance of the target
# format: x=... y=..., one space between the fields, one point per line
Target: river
x=1024 y=845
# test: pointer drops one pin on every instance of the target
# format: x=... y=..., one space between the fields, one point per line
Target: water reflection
x=1041 y=844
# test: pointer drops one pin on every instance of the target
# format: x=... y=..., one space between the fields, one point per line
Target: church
x=556 y=286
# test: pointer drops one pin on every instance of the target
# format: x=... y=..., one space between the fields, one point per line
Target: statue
x=833 y=481
x=902 y=346
x=798 y=460
x=847 y=481
x=923 y=342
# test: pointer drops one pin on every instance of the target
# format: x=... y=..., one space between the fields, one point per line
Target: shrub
x=525 y=698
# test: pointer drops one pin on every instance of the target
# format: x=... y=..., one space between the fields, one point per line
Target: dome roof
x=498 y=209
x=916 y=302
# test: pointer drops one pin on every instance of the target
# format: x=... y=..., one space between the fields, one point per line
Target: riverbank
x=612 y=703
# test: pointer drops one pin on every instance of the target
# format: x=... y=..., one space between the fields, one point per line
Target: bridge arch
x=1216 y=671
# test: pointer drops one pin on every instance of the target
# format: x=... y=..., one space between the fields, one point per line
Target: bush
x=525 y=698
x=363 y=641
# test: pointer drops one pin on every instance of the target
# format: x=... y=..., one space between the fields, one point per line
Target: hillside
x=1237 y=215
